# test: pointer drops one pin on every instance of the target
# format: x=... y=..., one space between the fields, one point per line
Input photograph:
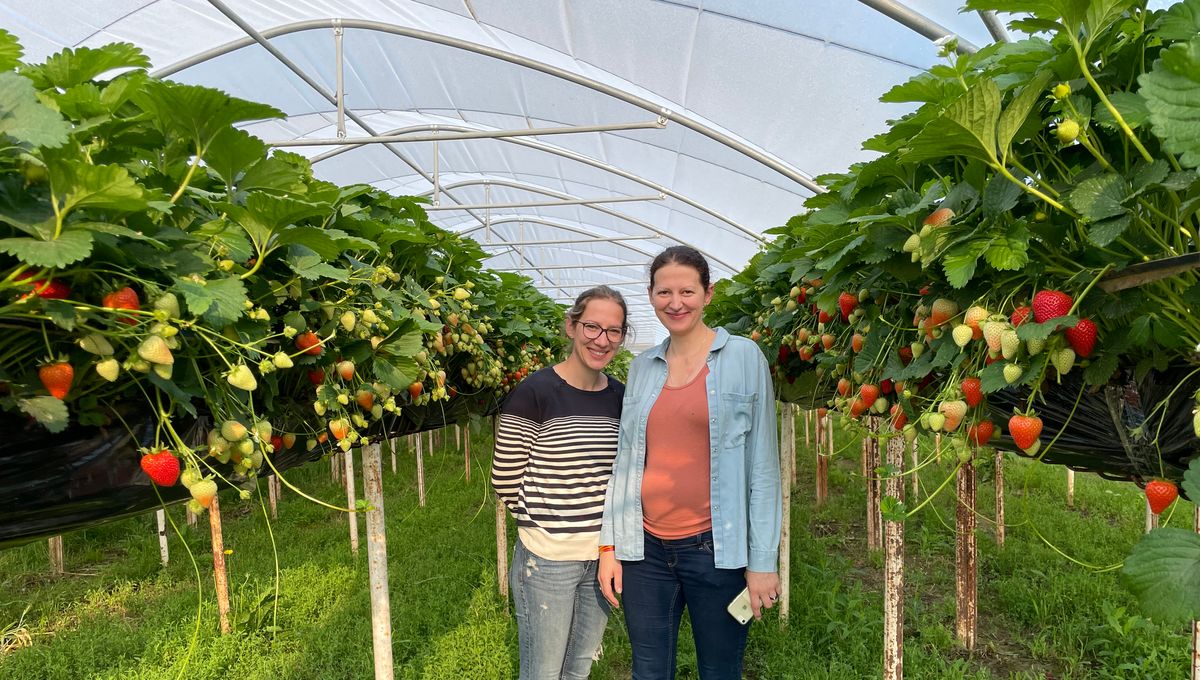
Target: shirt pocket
x=737 y=417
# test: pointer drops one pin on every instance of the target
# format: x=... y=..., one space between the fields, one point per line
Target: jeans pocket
x=706 y=546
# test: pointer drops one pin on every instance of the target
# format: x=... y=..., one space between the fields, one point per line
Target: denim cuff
x=765 y=561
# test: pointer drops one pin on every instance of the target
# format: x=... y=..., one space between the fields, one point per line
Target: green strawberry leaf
x=1009 y=252
x=1017 y=112
x=72 y=67
x=1139 y=330
x=232 y=151
x=1172 y=93
x=1181 y=22
x=398 y=372
x=77 y=184
x=1105 y=232
x=1163 y=573
x=23 y=116
x=1102 y=368
x=1041 y=331
x=70 y=246
x=1099 y=198
x=1130 y=105
x=309 y=265
x=960 y=262
x=197 y=114
x=999 y=196
x=1191 y=479
x=49 y=411
x=967 y=128
x=320 y=241
x=10 y=51
x=62 y=313
x=219 y=301
x=991 y=378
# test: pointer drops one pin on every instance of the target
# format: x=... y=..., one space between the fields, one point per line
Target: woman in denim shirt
x=694 y=508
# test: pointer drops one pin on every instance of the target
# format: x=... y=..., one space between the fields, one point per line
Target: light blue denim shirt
x=746 y=496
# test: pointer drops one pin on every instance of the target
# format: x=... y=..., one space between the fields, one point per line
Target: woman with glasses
x=693 y=512
x=555 y=443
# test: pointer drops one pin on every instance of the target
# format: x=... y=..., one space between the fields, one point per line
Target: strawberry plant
x=1049 y=187
x=172 y=265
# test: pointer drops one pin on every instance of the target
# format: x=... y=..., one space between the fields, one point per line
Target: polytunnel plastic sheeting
x=794 y=83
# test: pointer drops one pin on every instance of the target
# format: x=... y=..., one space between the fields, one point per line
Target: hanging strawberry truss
x=1017 y=266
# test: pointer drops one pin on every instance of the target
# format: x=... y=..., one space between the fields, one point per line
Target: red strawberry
x=784 y=352
x=49 y=290
x=981 y=432
x=859 y=407
x=822 y=412
x=316 y=376
x=1020 y=315
x=1160 y=493
x=345 y=369
x=843 y=387
x=939 y=217
x=827 y=341
x=414 y=390
x=365 y=399
x=806 y=353
x=162 y=467
x=856 y=343
x=276 y=442
x=309 y=343
x=339 y=428
x=824 y=316
x=123 y=298
x=869 y=393
x=886 y=386
x=847 y=302
x=1082 y=337
x=56 y=377
x=1025 y=430
x=899 y=417
x=972 y=392
x=906 y=355
x=942 y=311
x=1050 y=304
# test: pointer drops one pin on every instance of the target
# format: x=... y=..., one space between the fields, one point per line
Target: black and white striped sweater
x=555 y=446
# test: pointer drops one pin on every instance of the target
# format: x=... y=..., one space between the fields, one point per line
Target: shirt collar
x=659 y=351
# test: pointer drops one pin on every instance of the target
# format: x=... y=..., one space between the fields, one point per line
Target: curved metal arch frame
x=533 y=188
x=564 y=153
x=740 y=146
x=534 y=219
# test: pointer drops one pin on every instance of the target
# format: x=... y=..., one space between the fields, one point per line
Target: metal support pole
x=163 y=552
x=437 y=175
x=994 y=26
x=437 y=135
x=919 y=23
x=341 y=89
x=548 y=204
x=787 y=460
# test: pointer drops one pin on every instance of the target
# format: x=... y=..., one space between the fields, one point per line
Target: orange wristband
x=607 y=548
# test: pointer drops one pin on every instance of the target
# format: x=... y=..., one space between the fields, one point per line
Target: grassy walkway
x=118 y=614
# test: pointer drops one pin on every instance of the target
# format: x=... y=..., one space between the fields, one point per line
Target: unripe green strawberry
x=266 y=367
x=108 y=369
x=241 y=377
x=233 y=431
x=912 y=243
x=1067 y=131
x=189 y=476
x=993 y=332
x=345 y=445
x=154 y=349
x=1009 y=343
x=461 y=294
x=910 y=433
x=936 y=421
x=164 y=371
x=348 y=320
x=1063 y=360
x=97 y=344
x=204 y=491
x=1061 y=91
x=1012 y=373
x=193 y=505
x=917 y=350
x=370 y=317
x=263 y=429
x=1034 y=347
x=216 y=443
x=244 y=447
x=319 y=408
x=1196 y=421
x=962 y=335
x=167 y=302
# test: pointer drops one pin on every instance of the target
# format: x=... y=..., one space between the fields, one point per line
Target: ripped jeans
x=560 y=615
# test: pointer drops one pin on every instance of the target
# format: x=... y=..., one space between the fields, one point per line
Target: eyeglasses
x=591 y=331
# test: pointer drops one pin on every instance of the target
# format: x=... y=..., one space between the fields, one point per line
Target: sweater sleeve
x=516 y=431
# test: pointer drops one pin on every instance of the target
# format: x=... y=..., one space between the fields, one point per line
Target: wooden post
x=916 y=462
x=893 y=570
x=190 y=516
x=457 y=436
x=822 y=462
x=220 y=577
x=807 y=433
x=57 y=560
x=1070 y=488
x=466 y=447
x=395 y=443
x=278 y=487
x=502 y=549
x=420 y=474
x=937 y=446
x=1151 y=519
x=1196 y=624
x=348 y=458
x=999 y=498
x=163 y=553
x=874 y=484
x=335 y=468
x=787 y=464
x=272 y=497
x=381 y=616
x=966 y=595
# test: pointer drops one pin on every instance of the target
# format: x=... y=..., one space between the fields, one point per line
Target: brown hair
x=686 y=256
x=575 y=313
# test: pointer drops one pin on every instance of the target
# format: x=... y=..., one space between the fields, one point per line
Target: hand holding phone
x=740 y=608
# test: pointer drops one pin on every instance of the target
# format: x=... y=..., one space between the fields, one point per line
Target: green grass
x=118 y=614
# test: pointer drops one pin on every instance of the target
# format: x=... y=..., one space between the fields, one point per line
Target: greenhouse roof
x=713 y=116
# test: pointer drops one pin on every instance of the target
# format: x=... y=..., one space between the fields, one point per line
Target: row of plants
x=155 y=258
x=1008 y=251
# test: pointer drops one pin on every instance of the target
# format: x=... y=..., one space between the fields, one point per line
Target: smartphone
x=740 y=607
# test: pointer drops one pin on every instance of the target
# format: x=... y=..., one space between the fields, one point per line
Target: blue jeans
x=560 y=615
x=675 y=574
